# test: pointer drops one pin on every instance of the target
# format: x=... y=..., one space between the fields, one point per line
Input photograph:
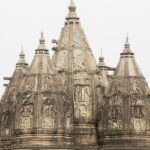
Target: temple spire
x=72 y=11
x=127 y=49
x=22 y=62
x=42 y=47
x=127 y=44
x=72 y=6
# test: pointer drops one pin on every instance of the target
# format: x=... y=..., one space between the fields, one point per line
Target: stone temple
x=69 y=102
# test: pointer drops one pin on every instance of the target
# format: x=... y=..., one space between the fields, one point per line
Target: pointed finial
x=101 y=57
x=42 y=47
x=42 y=34
x=101 y=52
x=22 y=62
x=22 y=55
x=127 y=45
x=42 y=40
x=72 y=6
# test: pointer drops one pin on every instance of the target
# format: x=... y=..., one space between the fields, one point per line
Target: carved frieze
x=81 y=79
x=26 y=109
x=82 y=94
x=30 y=83
x=62 y=61
x=138 y=125
x=76 y=40
x=12 y=94
x=78 y=61
x=47 y=83
x=137 y=108
x=49 y=112
x=82 y=110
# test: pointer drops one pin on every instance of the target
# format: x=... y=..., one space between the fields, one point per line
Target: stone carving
x=76 y=42
x=81 y=79
x=117 y=87
x=115 y=112
x=30 y=84
x=135 y=85
x=137 y=108
x=82 y=110
x=47 y=82
x=12 y=94
x=115 y=101
x=138 y=125
x=25 y=122
x=25 y=119
x=26 y=110
x=79 y=63
x=62 y=61
x=82 y=94
x=49 y=112
x=68 y=123
x=6 y=119
x=115 y=124
x=65 y=39
x=28 y=99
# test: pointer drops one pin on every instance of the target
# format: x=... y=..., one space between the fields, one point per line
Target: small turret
x=22 y=62
x=42 y=49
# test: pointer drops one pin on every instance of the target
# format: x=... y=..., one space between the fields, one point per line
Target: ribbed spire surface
x=127 y=65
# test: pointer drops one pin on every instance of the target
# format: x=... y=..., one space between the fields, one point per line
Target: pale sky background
x=105 y=23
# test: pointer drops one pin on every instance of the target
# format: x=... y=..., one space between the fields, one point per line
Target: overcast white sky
x=105 y=22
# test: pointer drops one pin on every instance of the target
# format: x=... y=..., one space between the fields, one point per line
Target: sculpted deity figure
x=79 y=63
x=83 y=111
x=30 y=84
x=12 y=94
x=76 y=42
x=49 y=111
x=47 y=82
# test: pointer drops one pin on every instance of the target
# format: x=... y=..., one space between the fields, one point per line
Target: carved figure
x=47 y=82
x=26 y=110
x=61 y=65
x=79 y=63
x=12 y=94
x=76 y=42
x=30 y=84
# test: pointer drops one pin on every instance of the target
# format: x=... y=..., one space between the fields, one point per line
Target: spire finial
x=101 y=52
x=42 y=34
x=72 y=6
x=22 y=62
x=42 y=47
x=101 y=57
x=22 y=55
x=42 y=40
x=127 y=45
x=22 y=47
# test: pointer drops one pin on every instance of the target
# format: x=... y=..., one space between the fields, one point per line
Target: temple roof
x=72 y=49
x=128 y=79
x=40 y=73
x=14 y=81
x=127 y=65
x=41 y=61
x=22 y=62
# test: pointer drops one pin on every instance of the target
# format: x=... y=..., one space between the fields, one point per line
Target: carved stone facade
x=67 y=102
